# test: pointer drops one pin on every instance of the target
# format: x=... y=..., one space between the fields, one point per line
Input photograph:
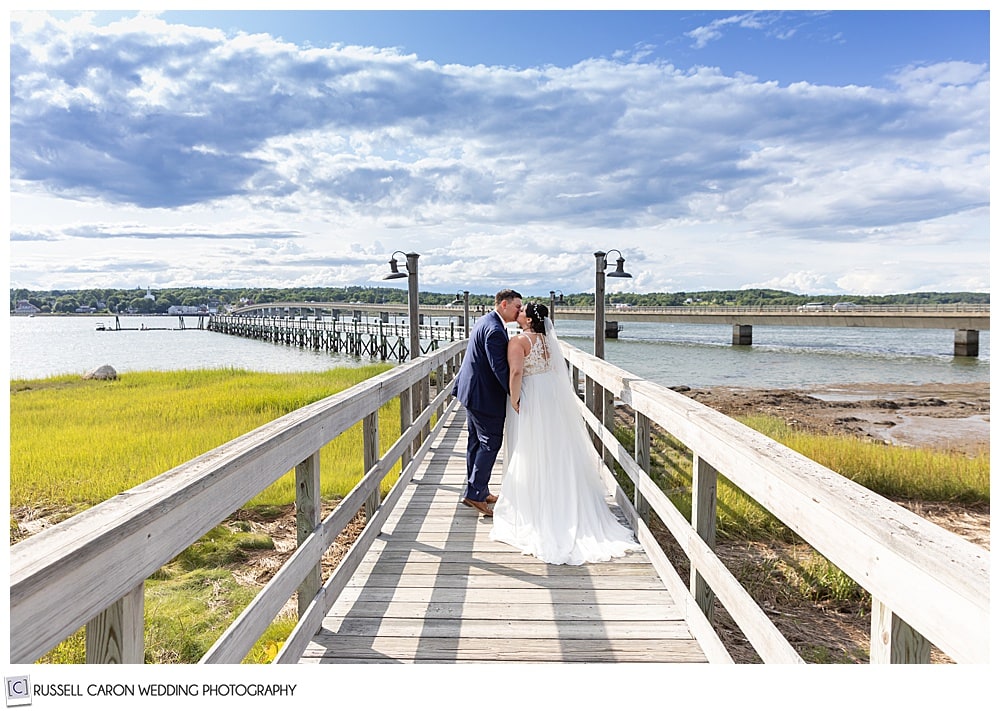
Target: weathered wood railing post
x=115 y=636
x=405 y=420
x=704 y=481
x=370 y=444
x=643 y=458
x=308 y=514
x=425 y=401
x=893 y=641
x=590 y=387
x=439 y=375
x=608 y=420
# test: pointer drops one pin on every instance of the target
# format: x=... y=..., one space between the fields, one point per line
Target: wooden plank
x=508 y=582
x=527 y=564
x=498 y=649
x=483 y=558
x=593 y=628
x=429 y=610
x=520 y=596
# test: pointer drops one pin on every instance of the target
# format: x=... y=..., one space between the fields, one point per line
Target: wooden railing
x=928 y=585
x=90 y=569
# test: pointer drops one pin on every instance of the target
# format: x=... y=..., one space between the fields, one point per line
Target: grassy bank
x=75 y=443
x=894 y=472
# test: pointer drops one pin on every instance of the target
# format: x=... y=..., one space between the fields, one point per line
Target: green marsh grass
x=75 y=443
x=897 y=472
x=894 y=472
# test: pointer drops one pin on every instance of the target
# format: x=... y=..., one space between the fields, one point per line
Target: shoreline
x=948 y=416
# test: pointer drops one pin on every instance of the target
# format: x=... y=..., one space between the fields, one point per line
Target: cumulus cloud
x=344 y=141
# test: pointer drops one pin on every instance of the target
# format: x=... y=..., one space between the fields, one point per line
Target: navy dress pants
x=485 y=440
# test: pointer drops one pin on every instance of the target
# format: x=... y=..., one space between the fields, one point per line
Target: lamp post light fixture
x=619 y=272
x=412 y=297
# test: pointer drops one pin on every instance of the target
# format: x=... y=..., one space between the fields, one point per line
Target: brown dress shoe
x=491 y=499
x=480 y=506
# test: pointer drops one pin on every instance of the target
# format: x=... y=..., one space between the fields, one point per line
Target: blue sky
x=818 y=152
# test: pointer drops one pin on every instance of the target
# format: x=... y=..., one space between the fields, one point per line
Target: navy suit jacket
x=483 y=381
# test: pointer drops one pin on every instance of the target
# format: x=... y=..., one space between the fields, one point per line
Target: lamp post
x=553 y=302
x=619 y=272
x=412 y=298
x=465 y=323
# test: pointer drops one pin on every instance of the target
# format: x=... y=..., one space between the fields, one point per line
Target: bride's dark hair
x=537 y=314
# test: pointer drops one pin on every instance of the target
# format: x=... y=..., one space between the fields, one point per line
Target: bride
x=551 y=502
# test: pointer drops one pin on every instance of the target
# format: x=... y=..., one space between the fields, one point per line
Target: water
x=696 y=355
x=702 y=355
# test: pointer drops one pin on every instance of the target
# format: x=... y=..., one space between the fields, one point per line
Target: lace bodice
x=537 y=360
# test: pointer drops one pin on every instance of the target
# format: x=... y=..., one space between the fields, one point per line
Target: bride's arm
x=515 y=361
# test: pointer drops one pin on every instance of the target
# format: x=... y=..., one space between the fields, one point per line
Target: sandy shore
x=952 y=416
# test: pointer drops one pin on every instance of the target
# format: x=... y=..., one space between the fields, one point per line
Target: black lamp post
x=553 y=302
x=619 y=272
x=412 y=297
x=465 y=314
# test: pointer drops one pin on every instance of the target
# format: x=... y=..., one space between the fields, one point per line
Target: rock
x=105 y=372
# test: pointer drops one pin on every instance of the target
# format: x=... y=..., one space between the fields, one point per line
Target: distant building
x=186 y=310
x=26 y=307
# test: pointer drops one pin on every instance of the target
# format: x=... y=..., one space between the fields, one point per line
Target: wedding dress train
x=552 y=499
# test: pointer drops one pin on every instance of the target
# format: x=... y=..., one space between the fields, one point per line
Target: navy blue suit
x=482 y=386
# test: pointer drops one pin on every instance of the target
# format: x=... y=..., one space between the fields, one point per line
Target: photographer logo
x=18 y=690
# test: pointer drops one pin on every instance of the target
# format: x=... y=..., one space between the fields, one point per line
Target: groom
x=482 y=387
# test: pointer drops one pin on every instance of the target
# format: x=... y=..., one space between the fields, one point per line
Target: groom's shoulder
x=489 y=322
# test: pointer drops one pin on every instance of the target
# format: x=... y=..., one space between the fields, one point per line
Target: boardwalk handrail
x=59 y=578
x=927 y=584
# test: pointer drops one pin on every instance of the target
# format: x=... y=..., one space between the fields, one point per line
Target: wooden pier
x=377 y=340
x=422 y=582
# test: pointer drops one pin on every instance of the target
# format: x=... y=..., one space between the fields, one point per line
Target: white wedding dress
x=552 y=499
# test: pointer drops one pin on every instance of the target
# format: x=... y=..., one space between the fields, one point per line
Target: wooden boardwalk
x=435 y=589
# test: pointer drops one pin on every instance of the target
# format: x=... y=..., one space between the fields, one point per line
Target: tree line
x=120 y=301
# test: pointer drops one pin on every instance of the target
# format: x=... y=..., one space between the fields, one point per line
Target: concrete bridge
x=966 y=320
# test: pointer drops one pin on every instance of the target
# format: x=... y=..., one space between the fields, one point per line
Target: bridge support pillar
x=611 y=329
x=967 y=342
x=742 y=334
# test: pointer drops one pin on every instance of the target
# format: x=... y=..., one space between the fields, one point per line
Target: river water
x=695 y=355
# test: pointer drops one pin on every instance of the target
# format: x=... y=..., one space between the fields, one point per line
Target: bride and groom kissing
x=517 y=395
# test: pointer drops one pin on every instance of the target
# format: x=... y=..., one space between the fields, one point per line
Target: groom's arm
x=496 y=354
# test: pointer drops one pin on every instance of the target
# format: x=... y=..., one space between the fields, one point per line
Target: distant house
x=26 y=307
x=185 y=310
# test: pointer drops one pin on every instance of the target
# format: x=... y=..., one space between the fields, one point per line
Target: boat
x=101 y=326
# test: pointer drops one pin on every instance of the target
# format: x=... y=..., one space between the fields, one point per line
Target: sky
x=817 y=152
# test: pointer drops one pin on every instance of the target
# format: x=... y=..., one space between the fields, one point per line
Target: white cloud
x=262 y=154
